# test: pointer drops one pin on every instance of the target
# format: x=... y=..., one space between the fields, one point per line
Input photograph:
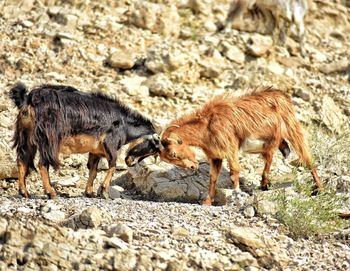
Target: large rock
x=264 y=248
x=157 y=18
x=8 y=165
x=91 y=217
x=166 y=182
x=331 y=115
x=160 y=85
x=166 y=57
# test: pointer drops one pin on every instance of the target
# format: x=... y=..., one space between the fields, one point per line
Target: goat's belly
x=82 y=144
x=253 y=145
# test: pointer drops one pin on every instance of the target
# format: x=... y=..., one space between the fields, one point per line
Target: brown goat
x=259 y=122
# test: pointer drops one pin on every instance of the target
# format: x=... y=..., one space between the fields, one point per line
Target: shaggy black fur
x=62 y=111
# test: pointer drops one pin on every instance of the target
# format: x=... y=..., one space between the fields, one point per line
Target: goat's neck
x=192 y=134
x=136 y=132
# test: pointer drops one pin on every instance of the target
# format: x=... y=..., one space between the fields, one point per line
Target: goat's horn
x=166 y=128
x=155 y=136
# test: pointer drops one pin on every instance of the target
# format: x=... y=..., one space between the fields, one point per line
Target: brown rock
x=259 y=45
x=121 y=59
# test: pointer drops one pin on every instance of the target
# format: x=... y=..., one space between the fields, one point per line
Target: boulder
x=331 y=115
x=158 y=18
x=133 y=86
x=166 y=57
x=8 y=165
x=166 y=182
x=263 y=247
x=160 y=85
x=91 y=217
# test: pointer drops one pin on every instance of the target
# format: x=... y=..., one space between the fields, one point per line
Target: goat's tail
x=18 y=94
x=295 y=136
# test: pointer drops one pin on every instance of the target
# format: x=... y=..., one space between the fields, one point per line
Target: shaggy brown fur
x=259 y=122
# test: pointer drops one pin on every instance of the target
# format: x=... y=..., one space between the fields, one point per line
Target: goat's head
x=175 y=151
x=141 y=148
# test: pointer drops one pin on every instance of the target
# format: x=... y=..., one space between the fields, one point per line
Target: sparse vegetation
x=306 y=215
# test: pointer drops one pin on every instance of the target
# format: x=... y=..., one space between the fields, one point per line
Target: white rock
x=25 y=210
x=115 y=191
x=133 y=86
x=67 y=182
x=117 y=243
x=121 y=59
x=275 y=68
x=55 y=216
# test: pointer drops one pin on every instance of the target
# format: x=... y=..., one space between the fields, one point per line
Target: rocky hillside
x=165 y=58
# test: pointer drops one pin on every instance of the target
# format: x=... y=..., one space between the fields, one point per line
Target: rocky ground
x=164 y=58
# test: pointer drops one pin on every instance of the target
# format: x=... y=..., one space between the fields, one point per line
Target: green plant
x=306 y=215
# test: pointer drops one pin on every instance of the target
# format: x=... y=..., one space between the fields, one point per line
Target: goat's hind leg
x=268 y=156
x=92 y=166
x=22 y=173
x=25 y=162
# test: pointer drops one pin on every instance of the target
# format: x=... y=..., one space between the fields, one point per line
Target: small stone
x=210 y=26
x=67 y=182
x=337 y=66
x=121 y=59
x=303 y=94
x=115 y=191
x=233 y=53
x=121 y=231
x=133 y=86
x=222 y=195
x=27 y=23
x=258 y=45
x=115 y=242
x=55 y=216
x=249 y=211
x=275 y=68
x=25 y=210
x=180 y=232
x=160 y=85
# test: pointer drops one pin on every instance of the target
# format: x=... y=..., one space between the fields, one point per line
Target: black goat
x=57 y=119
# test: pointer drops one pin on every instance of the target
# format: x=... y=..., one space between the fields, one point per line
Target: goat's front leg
x=92 y=166
x=215 y=168
x=104 y=189
x=48 y=189
x=22 y=173
x=234 y=171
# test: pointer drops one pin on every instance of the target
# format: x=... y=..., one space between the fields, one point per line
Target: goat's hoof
x=316 y=190
x=51 y=194
x=207 y=201
x=24 y=193
x=89 y=194
x=264 y=187
x=102 y=193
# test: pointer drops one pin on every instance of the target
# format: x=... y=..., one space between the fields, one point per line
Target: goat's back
x=252 y=114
